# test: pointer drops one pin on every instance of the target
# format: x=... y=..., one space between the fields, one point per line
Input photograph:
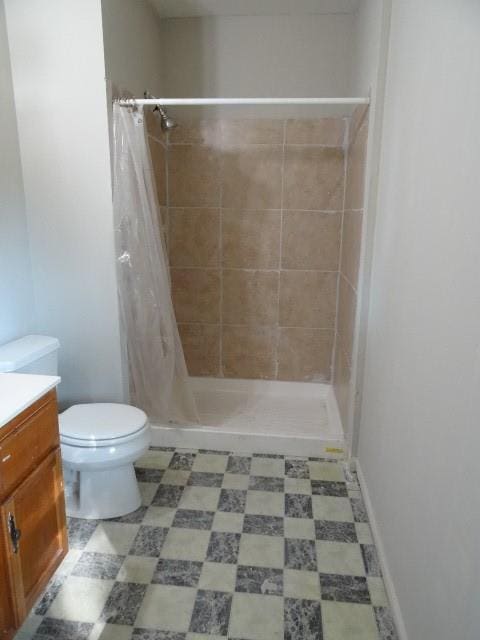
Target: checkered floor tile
x=225 y=546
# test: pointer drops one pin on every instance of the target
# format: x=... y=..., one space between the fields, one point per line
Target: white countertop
x=19 y=390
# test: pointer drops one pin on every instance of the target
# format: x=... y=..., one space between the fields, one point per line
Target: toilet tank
x=30 y=354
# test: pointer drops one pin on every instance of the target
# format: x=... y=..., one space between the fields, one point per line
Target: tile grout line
x=164 y=229
x=220 y=256
x=261 y=144
x=167 y=195
x=159 y=140
x=266 y=210
x=342 y=275
x=270 y=326
x=252 y=269
x=167 y=174
x=280 y=252
x=345 y=171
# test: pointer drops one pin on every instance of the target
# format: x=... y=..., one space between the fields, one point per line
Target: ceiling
x=195 y=8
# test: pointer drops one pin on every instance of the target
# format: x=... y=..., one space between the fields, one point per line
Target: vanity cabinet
x=33 y=535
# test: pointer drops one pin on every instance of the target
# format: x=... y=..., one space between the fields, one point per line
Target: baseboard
x=387 y=576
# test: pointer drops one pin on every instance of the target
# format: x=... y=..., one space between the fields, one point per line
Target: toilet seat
x=101 y=424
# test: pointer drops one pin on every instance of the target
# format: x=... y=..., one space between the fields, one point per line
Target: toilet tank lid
x=17 y=354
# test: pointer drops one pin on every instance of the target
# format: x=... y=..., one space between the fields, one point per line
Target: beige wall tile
x=251 y=239
x=196 y=131
x=193 y=176
x=250 y=297
x=196 y=295
x=305 y=354
x=159 y=164
x=351 y=245
x=237 y=164
x=252 y=131
x=358 y=120
x=314 y=178
x=327 y=131
x=201 y=346
x=194 y=237
x=249 y=352
x=252 y=177
x=347 y=302
x=311 y=240
x=356 y=160
x=308 y=299
x=341 y=383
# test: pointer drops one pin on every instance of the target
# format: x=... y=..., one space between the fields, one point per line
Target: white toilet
x=99 y=441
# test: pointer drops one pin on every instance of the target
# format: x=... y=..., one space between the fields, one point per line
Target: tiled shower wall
x=253 y=211
x=350 y=257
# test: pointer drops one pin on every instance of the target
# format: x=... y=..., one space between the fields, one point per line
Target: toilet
x=100 y=441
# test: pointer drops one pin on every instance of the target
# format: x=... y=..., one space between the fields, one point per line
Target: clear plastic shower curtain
x=158 y=375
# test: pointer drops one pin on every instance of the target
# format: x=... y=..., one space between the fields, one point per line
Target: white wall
x=258 y=56
x=58 y=69
x=366 y=45
x=133 y=54
x=16 y=292
x=420 y=430
x=370 y=55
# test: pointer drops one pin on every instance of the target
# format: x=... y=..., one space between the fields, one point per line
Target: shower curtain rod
x=165 y=102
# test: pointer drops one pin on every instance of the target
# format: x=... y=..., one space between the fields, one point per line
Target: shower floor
x=296 y=418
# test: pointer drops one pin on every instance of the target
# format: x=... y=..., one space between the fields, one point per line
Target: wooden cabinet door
x=7 y=599
x=34 y=525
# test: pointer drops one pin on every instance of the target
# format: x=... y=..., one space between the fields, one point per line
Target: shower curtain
x=157 y=372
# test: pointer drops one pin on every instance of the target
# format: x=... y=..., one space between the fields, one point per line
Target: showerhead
x=167 y=123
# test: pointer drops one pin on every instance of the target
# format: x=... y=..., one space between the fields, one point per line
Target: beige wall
x=254 y=216
x=350 y=261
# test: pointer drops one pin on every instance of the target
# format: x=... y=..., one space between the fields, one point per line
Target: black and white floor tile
x=225 y=546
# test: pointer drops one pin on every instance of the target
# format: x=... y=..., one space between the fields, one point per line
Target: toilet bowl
x=99 y=443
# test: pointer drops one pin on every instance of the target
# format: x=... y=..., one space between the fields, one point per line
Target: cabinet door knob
x=15 y=534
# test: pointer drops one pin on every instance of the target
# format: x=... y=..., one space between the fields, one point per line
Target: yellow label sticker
x=333 y=450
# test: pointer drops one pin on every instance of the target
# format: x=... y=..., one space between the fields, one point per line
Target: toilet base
x=103 y=494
